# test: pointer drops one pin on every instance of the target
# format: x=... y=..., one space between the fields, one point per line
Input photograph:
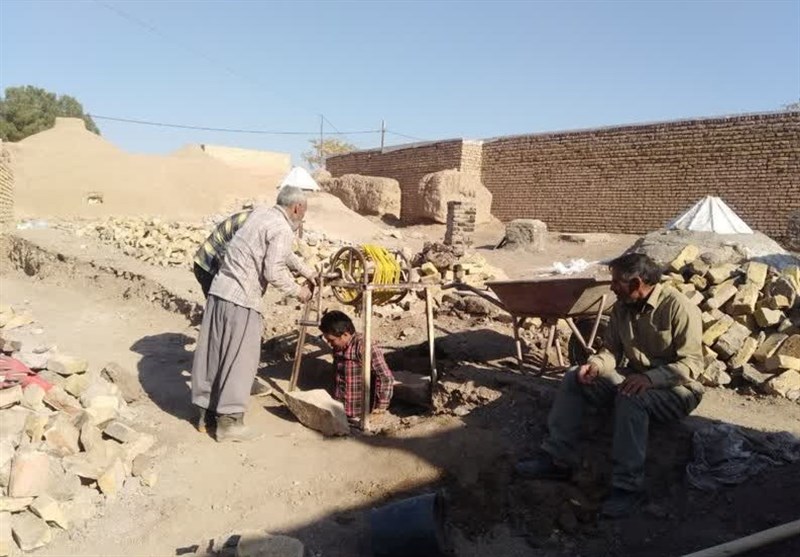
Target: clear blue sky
x=431 y=69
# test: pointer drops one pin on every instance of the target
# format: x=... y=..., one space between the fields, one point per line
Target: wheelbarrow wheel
x=575 y=350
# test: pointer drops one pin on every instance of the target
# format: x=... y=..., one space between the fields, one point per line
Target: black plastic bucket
x=411 y=527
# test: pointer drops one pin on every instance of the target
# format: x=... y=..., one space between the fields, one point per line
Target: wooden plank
x=367 y=359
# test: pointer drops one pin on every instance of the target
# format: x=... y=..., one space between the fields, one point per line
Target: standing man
x=210 y=255
x=228 y=348
x=648 y=368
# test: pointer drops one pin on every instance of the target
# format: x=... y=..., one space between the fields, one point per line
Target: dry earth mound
x=438 y=188
x=367 y=195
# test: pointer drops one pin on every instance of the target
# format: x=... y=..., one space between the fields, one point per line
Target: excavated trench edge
x=19 y=254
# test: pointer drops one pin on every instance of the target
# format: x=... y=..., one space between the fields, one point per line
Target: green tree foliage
x=27 y=110
x=315 y=156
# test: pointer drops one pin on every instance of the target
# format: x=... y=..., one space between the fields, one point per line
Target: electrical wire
x=225 y=130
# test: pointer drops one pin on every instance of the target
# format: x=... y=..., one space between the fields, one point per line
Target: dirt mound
x=367 y=195
x=438 y=188
x=68 y=171
x=664 y=246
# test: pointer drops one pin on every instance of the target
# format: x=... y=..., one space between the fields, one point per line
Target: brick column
x=460 y=223
x=6 y=189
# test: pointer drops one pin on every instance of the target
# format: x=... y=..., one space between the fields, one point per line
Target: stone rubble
x=751 y=321
x=65 y=445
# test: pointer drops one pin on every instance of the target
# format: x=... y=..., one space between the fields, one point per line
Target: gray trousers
x=226 y=357
x=631 y=422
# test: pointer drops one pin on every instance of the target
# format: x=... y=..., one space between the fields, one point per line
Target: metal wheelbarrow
x=582 y=302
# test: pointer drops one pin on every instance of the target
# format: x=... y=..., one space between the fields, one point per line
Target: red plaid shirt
x=349 y=388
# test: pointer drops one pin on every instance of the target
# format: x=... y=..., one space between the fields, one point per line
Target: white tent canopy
x=299 y=178
x=710 y=214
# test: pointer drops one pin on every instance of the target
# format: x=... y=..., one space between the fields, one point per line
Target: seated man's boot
x=231 y=428
x=621 y=503
x=542 y=467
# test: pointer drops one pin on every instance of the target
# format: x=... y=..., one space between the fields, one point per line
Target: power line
x=225 y=130
x=186 y=46
x=407 y=136
x=335 y=128
x=255 y=82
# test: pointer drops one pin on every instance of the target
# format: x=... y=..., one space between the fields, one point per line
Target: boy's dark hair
x=632 y=265
x=336 y=323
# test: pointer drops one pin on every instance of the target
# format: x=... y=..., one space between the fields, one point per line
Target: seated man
x=648 y=367
x=348 y=353
x=209 y=256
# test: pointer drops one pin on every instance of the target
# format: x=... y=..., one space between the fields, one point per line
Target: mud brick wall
x=636 y=178
x=6 y=189
x=406 y=165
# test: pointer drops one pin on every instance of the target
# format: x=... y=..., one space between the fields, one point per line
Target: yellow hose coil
x=387 y=271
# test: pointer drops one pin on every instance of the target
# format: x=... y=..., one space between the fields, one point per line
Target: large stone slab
x=6 y=537
x=14 y=504
x=30 y=474
x=112 y=479
x=717 y=329
x=49 y=510
x=264 y=544
x=30 y=531
x=752 y=375
x=715 y=375
x=769 y=347
x=744 y=303
x=787 y=384
x=11 y=396
x=62 y=436
x=746 y=351
x=756 y=274
x=128 y=384
x=318 y=410
x=766 y=317
x=721 y=273
x=91 y=465
x=790 y=347
x=67 y=365
x=688 y=254
x=12 y=424
x=731 y=341
x=779 y=362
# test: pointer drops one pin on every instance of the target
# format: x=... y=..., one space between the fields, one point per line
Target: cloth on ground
x=727 y=455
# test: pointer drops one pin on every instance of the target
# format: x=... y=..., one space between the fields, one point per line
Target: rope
x=387 y=271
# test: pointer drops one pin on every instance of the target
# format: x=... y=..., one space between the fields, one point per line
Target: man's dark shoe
x=542 y=468
x=621 y=503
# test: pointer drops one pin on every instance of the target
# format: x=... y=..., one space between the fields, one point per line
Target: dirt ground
x=294 y=481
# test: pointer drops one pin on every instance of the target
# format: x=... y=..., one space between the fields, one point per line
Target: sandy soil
x=294 y=481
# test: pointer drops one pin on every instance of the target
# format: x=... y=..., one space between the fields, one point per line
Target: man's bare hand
x=587 y=373
x=305 y=294
x=635 y=384
x=311 y=284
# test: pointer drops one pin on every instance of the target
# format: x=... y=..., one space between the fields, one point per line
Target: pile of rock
x=751 y=321
x=174 y=244
x=167 y=244
x=64 y=440
x=438 y=262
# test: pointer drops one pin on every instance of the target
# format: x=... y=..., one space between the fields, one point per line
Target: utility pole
x=319 y=147
x=383 y=133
